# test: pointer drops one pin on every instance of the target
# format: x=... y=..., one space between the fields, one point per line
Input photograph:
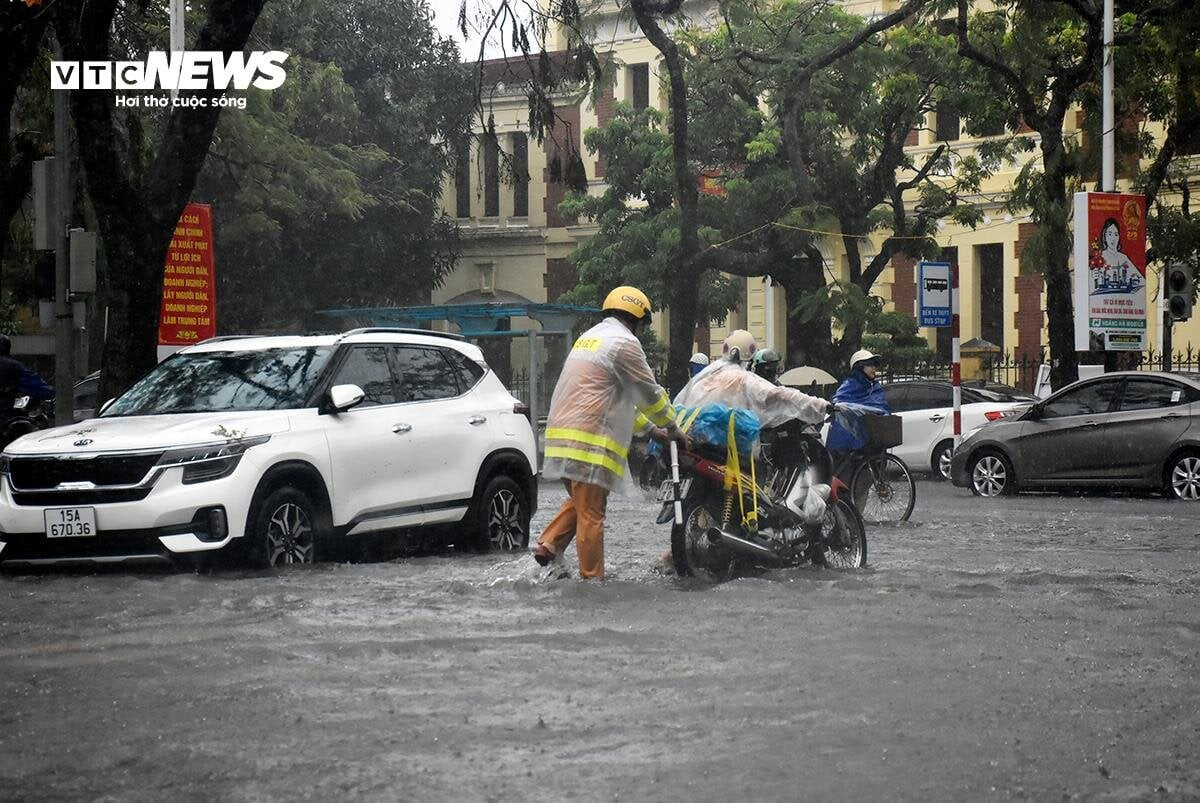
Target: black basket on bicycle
x=883 y=431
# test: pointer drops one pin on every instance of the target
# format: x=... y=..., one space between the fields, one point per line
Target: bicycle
x=879 y=482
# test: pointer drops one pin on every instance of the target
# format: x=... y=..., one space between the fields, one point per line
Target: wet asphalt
x=1042 y=647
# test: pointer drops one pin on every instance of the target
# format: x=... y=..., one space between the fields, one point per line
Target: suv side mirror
x=106 y=405
x=342 y=398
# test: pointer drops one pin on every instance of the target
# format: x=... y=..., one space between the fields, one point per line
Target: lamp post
x=1108 y=166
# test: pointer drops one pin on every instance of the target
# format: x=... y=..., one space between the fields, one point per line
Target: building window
x=491 y=175
x=948 y=123
x=1190 y=146
x=639 y=85
x=462 y=181
x=520 y=166
x=991 y=128
x=990 y=258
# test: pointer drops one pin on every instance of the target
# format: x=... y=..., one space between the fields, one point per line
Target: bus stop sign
x=933 y=293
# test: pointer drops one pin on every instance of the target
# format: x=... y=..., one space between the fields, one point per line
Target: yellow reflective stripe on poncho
x=660 y=412
x=591 y=438
x=586 y=457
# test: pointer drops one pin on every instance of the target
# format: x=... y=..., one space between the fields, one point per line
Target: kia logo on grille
x=83 y=442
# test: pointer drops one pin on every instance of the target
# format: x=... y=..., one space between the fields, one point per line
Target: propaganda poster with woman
x=1110 y=272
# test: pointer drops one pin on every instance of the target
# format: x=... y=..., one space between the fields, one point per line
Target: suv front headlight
x=210 y=461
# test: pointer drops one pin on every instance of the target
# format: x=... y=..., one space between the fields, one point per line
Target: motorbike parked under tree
x=735 y=522
x=25 y=416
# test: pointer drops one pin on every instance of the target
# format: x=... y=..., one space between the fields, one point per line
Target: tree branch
x=1025 y=100
x=189 y=131
x=1089 y=11
x=852 y=44
x=923 y=173
x=735 y=262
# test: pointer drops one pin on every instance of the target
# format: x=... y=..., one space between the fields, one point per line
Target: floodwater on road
x=1036 y=647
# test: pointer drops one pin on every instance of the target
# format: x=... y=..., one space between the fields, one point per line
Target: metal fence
x=519 y=387
x=1021 y=371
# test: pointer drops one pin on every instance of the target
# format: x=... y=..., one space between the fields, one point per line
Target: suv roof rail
x=219 y=338
x=401 y=330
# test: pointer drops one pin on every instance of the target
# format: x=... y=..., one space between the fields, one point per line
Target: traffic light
x=1180 y=288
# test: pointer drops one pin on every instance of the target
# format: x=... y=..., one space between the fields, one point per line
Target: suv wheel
x=502 y=518
x=283 y=530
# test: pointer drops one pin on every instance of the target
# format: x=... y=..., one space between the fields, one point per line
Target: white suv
x=278 y=449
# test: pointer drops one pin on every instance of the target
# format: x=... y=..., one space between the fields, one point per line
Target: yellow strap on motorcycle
x=688 y=417
x=733 y=460
x=754 y=485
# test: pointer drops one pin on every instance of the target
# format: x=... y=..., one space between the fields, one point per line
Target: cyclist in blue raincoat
x=860 y=387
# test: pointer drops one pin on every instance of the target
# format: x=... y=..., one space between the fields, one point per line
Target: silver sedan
x=1130 y=429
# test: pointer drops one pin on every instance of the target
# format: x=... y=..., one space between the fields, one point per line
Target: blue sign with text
x=933 y=294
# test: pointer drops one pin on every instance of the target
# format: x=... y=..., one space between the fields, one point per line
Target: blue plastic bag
x=711 y=426
x=850 y=417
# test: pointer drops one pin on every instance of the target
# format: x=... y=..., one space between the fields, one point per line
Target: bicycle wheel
x=883 y=489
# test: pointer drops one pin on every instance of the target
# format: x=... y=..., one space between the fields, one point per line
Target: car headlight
x=210 y=461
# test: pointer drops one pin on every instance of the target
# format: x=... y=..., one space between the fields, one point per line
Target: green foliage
x=1175 y=233
x=895 y=336
x=638 y=222
x=330 y=186
x=837 y=172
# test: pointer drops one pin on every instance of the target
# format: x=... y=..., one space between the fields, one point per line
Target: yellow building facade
x=516 y=246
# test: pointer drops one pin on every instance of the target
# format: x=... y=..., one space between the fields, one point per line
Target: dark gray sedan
x=1131 y=429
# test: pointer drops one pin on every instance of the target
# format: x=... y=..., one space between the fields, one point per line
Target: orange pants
x=581 y=517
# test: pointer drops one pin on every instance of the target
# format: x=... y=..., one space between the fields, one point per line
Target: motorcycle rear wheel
x=843 y=540
x=691 y=551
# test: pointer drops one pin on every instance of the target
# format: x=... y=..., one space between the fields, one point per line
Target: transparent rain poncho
x=728 y=383
x=604 y=384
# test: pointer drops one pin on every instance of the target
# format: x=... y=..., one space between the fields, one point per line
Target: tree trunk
x=682 y=295
x=137 y=213
x=809 y=340
x=1060 y=307
x=22 y=29
x=684 y=300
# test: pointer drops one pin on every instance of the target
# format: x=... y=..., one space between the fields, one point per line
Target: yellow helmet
x=629 y=300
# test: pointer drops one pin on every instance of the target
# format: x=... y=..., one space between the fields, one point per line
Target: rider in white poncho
x=727 y=381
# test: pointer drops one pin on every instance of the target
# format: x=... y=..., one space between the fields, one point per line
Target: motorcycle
x=25 y=416
x=728 y=522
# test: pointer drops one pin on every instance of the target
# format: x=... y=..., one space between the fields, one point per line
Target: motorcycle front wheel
x=843 y=540
x=691 y=551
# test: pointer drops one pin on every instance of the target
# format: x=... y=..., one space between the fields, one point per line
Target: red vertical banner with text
x=189 y=298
